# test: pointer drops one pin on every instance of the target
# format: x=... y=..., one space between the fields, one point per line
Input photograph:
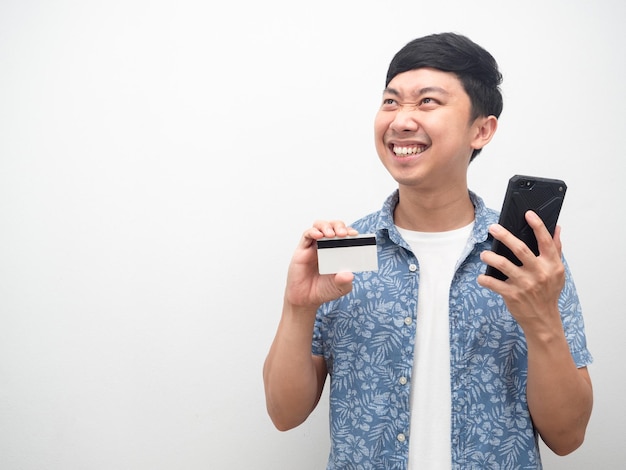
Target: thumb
x=343 y=282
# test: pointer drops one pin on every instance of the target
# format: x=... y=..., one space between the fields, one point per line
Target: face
x=424 y=136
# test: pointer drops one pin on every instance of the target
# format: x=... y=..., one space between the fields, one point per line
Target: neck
x=439 y=211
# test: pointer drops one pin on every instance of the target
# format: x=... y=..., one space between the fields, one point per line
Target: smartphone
x=544 y=196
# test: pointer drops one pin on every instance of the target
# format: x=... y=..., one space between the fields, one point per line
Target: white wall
x=160 y=159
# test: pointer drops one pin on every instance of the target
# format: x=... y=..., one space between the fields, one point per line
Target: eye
x=428 y=103
x=389 y=103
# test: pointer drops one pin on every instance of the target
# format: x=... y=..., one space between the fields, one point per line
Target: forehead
x=417 y=82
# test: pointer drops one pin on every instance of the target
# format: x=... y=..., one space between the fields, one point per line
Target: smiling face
x=424 y=132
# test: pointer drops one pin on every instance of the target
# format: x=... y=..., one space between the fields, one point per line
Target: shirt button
x=403 y=380
x=412 y=267
x=408 y=321
x=401 y=437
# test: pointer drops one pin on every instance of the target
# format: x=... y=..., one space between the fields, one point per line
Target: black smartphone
x=544 y=196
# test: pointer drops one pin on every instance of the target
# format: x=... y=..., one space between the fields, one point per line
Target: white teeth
x=408 y=150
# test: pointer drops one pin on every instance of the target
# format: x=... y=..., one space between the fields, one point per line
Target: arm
x=293 y=377
x=559 y=394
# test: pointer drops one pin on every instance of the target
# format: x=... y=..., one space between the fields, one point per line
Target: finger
x=544 y=239
x=333 y=286
x=519 y=247
x=343 y=282
x=334 y=228
x=557 y=240
x=311 y=234
x=501 y=263
x=546 y=244
x=492 y=283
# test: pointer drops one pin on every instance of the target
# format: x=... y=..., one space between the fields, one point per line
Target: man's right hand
x=294 y=377
x=306 y=288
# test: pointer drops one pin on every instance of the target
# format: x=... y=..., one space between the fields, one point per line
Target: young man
x=433 y=364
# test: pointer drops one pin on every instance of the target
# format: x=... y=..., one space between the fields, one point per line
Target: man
x=433 y=364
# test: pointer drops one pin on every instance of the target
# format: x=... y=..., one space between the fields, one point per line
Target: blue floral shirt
x=367 y=339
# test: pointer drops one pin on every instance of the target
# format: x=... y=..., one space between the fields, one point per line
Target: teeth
x=408 y=150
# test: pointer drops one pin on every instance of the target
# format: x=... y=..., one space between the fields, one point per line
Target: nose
x=405 y=119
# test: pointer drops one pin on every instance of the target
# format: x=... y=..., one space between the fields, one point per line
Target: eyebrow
x=419 y=92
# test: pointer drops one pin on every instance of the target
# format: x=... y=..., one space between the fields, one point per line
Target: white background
x=160 y=159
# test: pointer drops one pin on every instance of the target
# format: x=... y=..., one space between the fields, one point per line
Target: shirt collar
x=483 y=217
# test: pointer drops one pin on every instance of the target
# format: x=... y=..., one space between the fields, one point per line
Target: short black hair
x=450 y=52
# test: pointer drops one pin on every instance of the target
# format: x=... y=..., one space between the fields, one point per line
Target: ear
x=485 y=127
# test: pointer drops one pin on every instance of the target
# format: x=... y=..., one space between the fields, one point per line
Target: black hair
x=450 y=52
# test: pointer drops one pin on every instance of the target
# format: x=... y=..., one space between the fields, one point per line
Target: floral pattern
x=367 y=339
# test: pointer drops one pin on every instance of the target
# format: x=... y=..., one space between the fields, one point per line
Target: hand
x=532 y=290
x=305 y=286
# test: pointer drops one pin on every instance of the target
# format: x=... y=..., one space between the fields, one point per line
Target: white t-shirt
x=437 y=254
